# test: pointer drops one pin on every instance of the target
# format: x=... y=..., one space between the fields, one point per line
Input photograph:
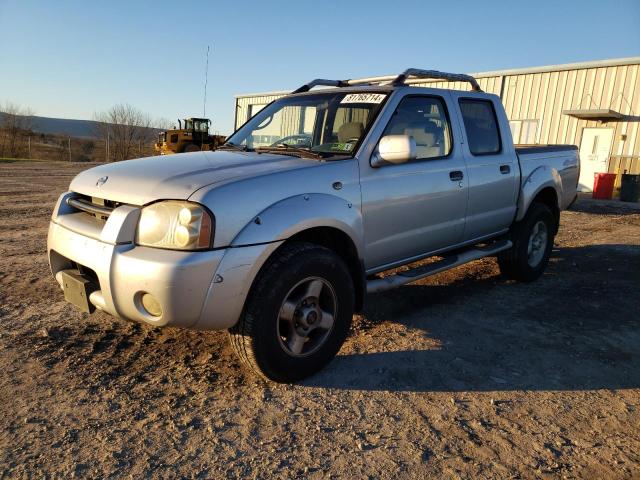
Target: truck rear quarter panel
x=546 y=168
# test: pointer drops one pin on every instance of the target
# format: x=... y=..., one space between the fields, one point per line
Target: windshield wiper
x=285 y=147
x=233 y=146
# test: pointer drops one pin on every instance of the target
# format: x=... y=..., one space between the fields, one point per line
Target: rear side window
x=481 y=126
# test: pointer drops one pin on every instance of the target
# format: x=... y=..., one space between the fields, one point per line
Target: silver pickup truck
x=279 y=235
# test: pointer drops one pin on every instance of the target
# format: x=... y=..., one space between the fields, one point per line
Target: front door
x=417 y=207
x=595 y=149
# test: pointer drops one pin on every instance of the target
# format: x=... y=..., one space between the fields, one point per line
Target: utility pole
x=107 y=159
x=206 y=76
x=29 y=138
x=69 y=145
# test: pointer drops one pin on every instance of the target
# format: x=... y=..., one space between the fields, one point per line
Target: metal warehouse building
x=595 y=105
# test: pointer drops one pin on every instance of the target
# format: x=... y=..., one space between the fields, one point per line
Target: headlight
x=175 y=225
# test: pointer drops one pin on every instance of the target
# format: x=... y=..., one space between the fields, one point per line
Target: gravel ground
x=464 y=374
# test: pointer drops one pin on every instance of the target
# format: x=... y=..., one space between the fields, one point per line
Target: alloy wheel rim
x=537 y=244
x=306 y=316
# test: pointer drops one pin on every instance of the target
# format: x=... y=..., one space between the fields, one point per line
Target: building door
x=595 y=148
x=253 y=109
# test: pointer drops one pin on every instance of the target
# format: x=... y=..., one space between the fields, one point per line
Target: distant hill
x=64 y=126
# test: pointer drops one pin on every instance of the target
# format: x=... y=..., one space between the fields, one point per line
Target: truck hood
x=141 y=181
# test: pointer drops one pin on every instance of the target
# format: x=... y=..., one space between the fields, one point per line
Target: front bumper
x=202 y=290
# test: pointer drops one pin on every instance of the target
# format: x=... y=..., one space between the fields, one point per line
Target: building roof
x=496 y=73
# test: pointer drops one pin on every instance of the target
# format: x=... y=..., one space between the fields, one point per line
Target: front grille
x=97 y=207
x=89 y=273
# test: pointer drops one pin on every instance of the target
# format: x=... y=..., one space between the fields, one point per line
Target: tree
x=15 y=125
x=126 y=129
x=86 y=151
x=163 y=123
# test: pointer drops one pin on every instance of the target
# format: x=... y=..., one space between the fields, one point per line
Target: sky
x=71 y=59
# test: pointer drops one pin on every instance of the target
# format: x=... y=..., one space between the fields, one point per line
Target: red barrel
x=603 y=185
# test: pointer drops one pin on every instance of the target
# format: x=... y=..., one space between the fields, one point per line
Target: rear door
x=417 y=207
x=492 y=166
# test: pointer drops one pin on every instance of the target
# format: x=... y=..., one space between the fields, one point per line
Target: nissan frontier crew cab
x=279 y=234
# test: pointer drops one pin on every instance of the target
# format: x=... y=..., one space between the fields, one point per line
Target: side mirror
x=395 y=149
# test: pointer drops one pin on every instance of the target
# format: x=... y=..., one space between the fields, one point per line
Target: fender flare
x=292 y=215
x=539 y=179
x=261 y=237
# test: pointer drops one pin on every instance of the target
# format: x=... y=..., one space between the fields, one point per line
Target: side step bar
x=447 y=263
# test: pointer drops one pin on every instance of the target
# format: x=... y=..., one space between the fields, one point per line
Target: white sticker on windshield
x=363 y=98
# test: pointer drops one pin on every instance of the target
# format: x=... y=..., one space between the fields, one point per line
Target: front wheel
x=298 y=314
x=532 y=243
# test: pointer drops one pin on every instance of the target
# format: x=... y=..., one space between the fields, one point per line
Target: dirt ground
x=464 y=374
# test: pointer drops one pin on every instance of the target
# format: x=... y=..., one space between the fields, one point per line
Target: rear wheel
x=192 y=147
x=298 y=314
x=532 y=243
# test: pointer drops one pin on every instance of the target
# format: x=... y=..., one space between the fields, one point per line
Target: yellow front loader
x=192 y=138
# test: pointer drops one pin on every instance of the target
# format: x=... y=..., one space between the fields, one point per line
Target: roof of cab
x=410 y=75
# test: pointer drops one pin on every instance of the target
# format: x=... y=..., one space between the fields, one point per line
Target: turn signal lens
x=175 y=225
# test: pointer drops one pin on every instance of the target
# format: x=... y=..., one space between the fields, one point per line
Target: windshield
x=201 y=125
x=327 y=124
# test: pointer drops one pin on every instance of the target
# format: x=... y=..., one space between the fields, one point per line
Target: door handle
x=456 y=175
x=504 y=169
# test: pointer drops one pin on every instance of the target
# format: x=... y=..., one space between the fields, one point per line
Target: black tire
x=515 y=263
x=257 y=338
x=191 y=147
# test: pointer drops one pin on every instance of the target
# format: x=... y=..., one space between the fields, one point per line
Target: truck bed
x=527 y=149
x=562 y=158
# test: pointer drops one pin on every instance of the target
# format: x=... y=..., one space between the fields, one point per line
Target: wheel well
x=341 y=243
x=547 y=196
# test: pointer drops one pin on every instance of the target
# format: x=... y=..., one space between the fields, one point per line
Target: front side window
x=481 y=126
x=327 y=124
x=424 y=119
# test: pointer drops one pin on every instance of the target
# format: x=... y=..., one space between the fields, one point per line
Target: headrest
x=423 y=138
x=350 y=131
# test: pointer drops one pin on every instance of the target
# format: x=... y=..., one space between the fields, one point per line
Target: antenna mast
x=206 y=75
